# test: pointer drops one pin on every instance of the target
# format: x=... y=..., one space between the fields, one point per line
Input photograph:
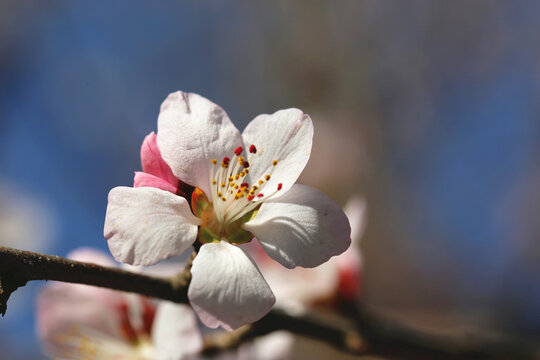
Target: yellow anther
x=214 y=182
x=261 y=182
x=231 y=184
x=241 y=160
x=247 y=171
x=214 y=161
x=222 y=184
x=231 y=178
x=236 y=177
x=242 y=174
x=219 y=194
x=236 y=186
x=267 y=177
x=274 y=162
x=223 y=199
x=223 y=165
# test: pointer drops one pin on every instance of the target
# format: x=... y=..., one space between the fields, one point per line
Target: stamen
x=238 y=150
x=214 y=182
x=267 y=177
x=261 y=182
x=252 y=149
x=260 y=195
x=245 y=164
x=274 y=162
x=279 y=186
x=214 y=161
x=244 y=184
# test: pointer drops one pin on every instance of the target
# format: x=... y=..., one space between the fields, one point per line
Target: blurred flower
x=25 y=222
x=85 y=322
x=296 y=225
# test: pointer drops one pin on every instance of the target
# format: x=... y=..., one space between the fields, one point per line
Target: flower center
x=233 y=200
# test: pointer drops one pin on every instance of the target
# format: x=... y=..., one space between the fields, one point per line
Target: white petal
x=227 y=288
x=175 y=333
x=146 y=225
x=286 y=136
x=304 y=227
x=192 y=131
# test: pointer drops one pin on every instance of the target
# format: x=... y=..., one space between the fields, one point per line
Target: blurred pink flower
x=85 y=322
x=236 y=198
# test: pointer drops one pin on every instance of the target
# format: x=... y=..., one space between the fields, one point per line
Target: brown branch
x=366 y=334
x=17 y=267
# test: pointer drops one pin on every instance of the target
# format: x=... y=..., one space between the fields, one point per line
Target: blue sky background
x=444 y=99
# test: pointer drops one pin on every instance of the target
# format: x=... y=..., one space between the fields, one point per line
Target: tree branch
x=365 y=334
x=17 y=267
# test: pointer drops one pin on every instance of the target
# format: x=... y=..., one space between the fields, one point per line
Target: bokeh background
x=428 y=109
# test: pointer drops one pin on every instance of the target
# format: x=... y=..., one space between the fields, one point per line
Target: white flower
x=85 y=322
x=245 y=187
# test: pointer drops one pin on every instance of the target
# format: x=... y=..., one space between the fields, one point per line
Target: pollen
x=253 y=149
x=274 y=162
x=238 y=150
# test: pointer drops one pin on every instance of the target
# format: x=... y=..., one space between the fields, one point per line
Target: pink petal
x=63 y=309
x=153 y=163
x=226 y=288
x=146 y=180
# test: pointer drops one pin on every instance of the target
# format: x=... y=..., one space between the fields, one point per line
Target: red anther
x=279 y=186
x=226 y=160
x=252 y=149
x=245 y=164
x=238 y=150
x=260 y=195
x=250 y=197
x=244 y=184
